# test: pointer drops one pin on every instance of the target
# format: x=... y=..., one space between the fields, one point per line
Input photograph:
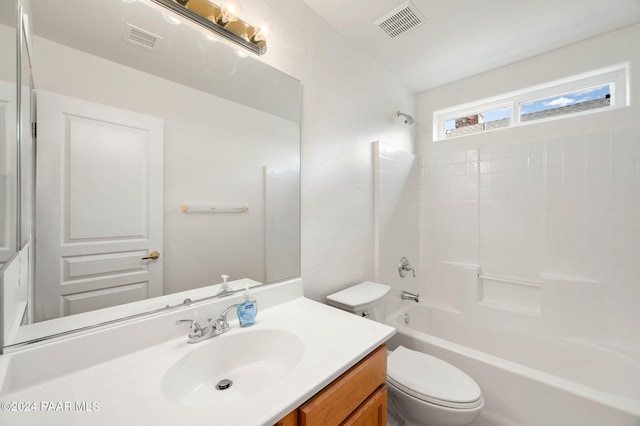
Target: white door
x=99 y=206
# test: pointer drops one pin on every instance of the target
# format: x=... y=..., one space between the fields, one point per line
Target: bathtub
x=527 y=379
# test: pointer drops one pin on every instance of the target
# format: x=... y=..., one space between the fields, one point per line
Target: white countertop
x=127 y=389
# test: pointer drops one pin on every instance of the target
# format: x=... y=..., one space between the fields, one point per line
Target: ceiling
x=462 y=38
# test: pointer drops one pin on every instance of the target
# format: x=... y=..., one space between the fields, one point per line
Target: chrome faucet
x=214 y=328
x=406 y=295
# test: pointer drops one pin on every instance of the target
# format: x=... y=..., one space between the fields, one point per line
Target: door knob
x=153 y=255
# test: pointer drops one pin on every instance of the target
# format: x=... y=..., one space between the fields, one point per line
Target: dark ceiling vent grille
x=400 y=20
x=140 y=37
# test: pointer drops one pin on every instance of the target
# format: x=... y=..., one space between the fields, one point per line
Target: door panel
x=108 y=180
x=98 y=299
x=98 y=206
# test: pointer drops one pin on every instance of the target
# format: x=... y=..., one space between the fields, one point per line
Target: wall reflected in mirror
x=227 y=131
x=8 y=172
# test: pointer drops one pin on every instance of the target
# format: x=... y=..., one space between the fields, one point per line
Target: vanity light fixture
x=223 y=20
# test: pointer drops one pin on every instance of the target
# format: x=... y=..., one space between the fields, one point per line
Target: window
x=474 y=123
x=567 y=103
x=583 y=94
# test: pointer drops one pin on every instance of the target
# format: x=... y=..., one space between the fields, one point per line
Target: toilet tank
x=366 y=299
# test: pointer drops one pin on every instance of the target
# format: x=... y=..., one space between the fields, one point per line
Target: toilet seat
x=432 y=380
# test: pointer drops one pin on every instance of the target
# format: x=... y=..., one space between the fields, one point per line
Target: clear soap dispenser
x=225 y=290
x=247 y=309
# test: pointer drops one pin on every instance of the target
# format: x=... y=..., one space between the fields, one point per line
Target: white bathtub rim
x=628 y=405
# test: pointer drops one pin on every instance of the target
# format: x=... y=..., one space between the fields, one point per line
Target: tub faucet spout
x=406 y=295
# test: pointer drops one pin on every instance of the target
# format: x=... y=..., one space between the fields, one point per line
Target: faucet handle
x=194 y=328
x=222 y=324
x=404 y=266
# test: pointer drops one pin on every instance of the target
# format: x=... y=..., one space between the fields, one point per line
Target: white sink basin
x=252 y=360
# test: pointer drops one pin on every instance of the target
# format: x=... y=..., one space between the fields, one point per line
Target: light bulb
x=229 y=12
x=259 y=34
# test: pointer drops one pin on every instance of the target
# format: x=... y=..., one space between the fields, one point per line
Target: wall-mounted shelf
x=214 y=208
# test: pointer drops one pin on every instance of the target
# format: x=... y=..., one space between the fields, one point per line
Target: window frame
x=616 y=75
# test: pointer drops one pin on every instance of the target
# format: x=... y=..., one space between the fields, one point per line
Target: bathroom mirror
x=202 y=168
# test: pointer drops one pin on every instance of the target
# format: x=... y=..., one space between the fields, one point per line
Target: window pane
x=475 y=123
x=569 y=103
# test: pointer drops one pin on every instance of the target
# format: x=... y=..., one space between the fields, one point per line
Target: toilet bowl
x=423 y=390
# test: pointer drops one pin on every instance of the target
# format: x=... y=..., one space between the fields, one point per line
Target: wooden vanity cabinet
x=290 y=420
x=357 y=398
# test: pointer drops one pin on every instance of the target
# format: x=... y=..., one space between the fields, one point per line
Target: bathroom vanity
x=358 y=397
x=301 y=363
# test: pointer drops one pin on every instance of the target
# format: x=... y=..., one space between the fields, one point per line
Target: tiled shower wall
x=561 y=215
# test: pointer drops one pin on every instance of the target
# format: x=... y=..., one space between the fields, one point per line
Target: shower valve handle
x=404 y=266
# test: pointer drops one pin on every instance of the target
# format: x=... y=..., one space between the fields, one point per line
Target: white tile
x=537 y=176
x=459 y=156
x=574 y=156
x=624 y=170
x=486 y=166
x=501 y=165
x=594 y=222
x=625 y=145
x=625 y=223
x=553 y=175
x=624 y=205
x=574 y=189
x=625 y=188
x=574 y=174
x=472 y=155
x=472 y=168
x=575 y=206
x=575 y=222
x=597 y=205
x=599 y=188
x=598 y=171
x=519 y=161
x=537 y=156
x=500 y=178
x=518 y=177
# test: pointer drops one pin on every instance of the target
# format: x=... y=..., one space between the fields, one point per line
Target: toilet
x=423 y=390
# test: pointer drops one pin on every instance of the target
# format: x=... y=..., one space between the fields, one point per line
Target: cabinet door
x=290 y=420
x=372 y=412
x=335 y=403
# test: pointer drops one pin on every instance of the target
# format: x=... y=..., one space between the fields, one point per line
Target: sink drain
x=224 y=384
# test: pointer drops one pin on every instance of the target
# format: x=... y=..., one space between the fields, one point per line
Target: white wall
x=556 y=202
x=349 y=101
x=207 y=140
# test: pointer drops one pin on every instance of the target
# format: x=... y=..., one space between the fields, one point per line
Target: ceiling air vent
x=140 y=37
x=400 y=20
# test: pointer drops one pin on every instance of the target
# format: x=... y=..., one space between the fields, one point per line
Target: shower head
x=407 y=118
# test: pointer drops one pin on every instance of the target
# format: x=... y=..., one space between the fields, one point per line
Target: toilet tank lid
x=359 y=296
